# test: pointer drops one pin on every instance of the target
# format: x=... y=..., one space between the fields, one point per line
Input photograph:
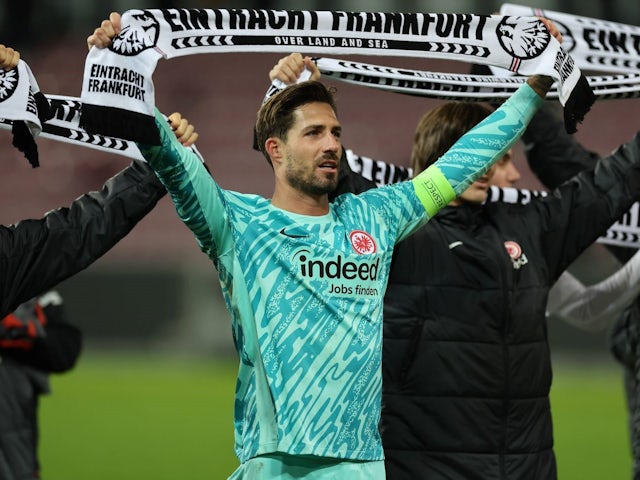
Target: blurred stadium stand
x=155 y=288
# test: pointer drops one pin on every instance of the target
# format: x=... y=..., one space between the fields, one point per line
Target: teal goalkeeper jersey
x=305 y=293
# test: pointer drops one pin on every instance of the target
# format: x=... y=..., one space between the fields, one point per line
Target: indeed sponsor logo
x=337 y=268
x=346 y=278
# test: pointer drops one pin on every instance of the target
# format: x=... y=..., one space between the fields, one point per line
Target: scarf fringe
x=119 y=123
x=24 y=141
x=42 y=104
x=578 y=105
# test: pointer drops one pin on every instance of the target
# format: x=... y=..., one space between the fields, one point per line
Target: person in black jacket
x=35 y=256
x=35 y=340
x=554 y=157
x=466 y=363
x=38 y=254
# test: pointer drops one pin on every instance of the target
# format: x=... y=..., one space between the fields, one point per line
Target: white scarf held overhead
x=594 y=44
x=120 y=76
x=22 y=103
x=63 y=126
x=451 y=86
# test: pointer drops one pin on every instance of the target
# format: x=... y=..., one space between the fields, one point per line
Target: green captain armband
x=433 y=189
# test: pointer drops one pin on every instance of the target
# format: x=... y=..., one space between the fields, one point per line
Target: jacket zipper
x=508 y=308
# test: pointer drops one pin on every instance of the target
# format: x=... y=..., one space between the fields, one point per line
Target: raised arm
x=37 y=254
x=595 y=307
x=40 y=253
x=554 y=155
x=471 y=156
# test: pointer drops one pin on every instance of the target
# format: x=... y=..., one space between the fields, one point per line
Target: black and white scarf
x=63 y=126
x=595 y=45
x=25 y=107
x=121 y=76
x=609 y=50
x=451 y=86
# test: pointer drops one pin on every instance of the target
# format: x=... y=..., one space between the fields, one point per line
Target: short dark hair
x=275 y=117
x=440 y=128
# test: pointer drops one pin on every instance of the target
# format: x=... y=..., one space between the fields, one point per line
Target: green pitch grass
x=159 y=417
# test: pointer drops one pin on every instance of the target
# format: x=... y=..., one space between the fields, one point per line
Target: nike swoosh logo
x=454 y=245
x=291 y=235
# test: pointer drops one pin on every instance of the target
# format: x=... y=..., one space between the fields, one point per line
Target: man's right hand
x=8 y=57
x=185 y=132
x=289 y=68
x=102 y=36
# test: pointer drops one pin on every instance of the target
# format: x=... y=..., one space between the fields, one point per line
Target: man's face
x=503 y=173
x=312 y=150
x=506 y=174
x=477 y=191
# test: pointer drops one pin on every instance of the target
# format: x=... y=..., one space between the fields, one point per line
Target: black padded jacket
x=466 y=362
x=36 y=255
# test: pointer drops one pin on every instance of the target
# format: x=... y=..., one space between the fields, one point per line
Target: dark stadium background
x=155 y=289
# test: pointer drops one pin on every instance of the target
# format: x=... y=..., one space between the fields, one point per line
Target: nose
x=514 y=173
x=332 y=143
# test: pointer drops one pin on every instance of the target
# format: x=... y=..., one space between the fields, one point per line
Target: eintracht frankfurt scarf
x=22 y=103
x=63 y=126
x=468 y=87
x=597 y=46
x=120 y=76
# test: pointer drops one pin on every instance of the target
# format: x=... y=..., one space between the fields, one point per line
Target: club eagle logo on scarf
x=140 y=34
x=524 y=39
x=8 y=83
x=362 y=242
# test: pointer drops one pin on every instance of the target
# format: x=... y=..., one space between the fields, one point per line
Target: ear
x=273 y=146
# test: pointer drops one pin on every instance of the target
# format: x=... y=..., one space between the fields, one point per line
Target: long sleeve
x=472 y=155
x=554 y=155
x=594 y=307
x=575 y=214
x=36 y=255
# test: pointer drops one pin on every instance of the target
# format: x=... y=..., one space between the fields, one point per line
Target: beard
x=309 y=182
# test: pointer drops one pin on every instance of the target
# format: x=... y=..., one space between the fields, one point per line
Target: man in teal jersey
x=304 y=278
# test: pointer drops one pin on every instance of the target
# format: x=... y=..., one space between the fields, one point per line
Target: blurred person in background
x=35 y=341
x=555 y=156
x=466 y=384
